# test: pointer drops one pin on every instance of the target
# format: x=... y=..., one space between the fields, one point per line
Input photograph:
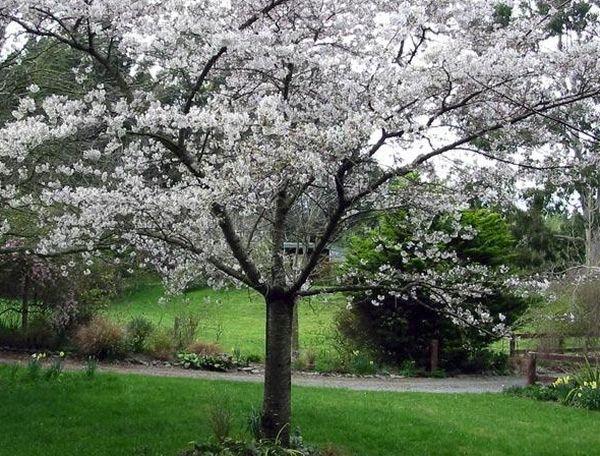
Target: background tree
x=231 y=113
x=51 y=296
x=399 y=327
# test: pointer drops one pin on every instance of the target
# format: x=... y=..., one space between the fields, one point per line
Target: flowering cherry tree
x=228 y=115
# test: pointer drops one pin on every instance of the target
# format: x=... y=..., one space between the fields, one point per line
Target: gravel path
x=459 y=384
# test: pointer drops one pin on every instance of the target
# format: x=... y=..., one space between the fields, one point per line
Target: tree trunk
x=25 y=304
x=276 y=412
x=592 y=247
x=590 y=207
x=295 y=333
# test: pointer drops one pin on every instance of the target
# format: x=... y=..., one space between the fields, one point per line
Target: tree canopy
x=208 y=122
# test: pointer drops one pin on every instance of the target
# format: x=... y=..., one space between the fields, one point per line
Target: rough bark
x=276 y=412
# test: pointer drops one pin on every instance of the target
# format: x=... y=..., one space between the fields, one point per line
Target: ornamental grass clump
x=101 y=338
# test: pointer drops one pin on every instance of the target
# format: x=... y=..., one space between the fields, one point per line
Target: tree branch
x=235 y=244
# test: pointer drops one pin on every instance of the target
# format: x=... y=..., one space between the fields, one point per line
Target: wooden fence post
x=512 y=346
x=530 y=368
x=434 y=355
x=561 y=345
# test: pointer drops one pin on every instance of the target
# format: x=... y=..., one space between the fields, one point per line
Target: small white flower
x=92 y=154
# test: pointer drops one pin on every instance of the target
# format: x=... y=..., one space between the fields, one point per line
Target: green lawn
x=233 y=318
x=129 y=415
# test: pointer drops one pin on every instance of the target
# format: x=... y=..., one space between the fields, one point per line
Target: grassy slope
x=236 y=318
x=128 y=415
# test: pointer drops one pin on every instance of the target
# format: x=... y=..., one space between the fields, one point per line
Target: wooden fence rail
x=559 y=353
x=533 y=357
x=560 y=346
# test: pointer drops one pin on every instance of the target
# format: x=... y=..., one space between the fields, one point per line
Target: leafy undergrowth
x=581 y=389
x=114 y=415
x=254 y=447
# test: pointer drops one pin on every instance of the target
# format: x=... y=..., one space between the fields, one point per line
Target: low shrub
x=138 y=331
x=438 y=373
x=220 y=362
x=562 y=387
x=160 y=345
x=240 y=359
x=101 y=338
x=347 y=361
